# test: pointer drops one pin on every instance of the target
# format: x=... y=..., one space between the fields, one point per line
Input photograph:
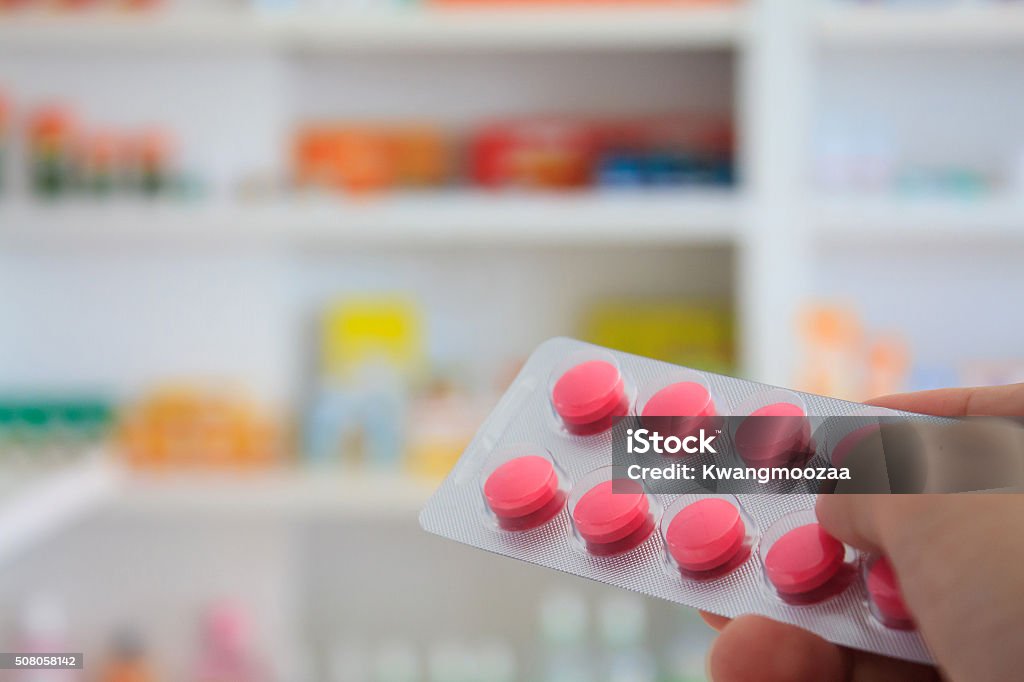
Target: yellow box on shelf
x=687 y=332
x=373 y=329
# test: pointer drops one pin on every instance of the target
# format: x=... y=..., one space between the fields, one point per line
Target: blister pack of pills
x=542 y=482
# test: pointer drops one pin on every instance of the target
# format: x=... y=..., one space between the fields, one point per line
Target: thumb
x=958 y=560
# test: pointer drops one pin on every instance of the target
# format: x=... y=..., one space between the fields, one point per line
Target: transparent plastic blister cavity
x=707 y=536
x=680 y=403
x=802 y=564
x=610 y=516
x=536 y=484
x=884 y=596
x=522 y=487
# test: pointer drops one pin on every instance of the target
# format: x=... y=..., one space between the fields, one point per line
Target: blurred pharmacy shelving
x=698 y=26
x=301 y=495
x=945 y=25
x=653 y=216
x=779 y=70
x=39 y=504
x=993 y=219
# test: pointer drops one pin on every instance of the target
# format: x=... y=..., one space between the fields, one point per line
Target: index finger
x=993 y=401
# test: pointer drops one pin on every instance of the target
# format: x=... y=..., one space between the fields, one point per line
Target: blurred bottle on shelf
x=833 y=351
x=65 y=158
x=149 y=161
x=51 y=151
x=861 y=158
x=855 y=156
x=888 y=365
x=5 y=140
x=226 y=650
x=840 y=359
x=98 y=166
x=127 y=661
x=443 y=420
x=623 y=628
x=565 y=650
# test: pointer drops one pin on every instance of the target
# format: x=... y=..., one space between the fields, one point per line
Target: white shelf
x=293 y=494
x=929 y=25
x=698 y=26
x=999 y=219
x=660 y=217
x=36 y=508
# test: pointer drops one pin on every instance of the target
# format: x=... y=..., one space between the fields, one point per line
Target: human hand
x=959 y=560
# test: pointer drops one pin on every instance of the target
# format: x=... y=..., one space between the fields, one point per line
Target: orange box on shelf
x=546 y=153
x=365 y=160
x=421 y=156
x=362 y=159
x=314 y=157
x=188 y=429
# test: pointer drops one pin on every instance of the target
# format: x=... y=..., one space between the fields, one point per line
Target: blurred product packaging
x=361 y=159
x=127 y=660
x=5 y=140
x=371 y=355
x=687 y=332
x=227 y=650
x=840 y=359
x=38 y=431
x=194 y=427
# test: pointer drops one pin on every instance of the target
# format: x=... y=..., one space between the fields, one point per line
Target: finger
x=715 y=621
x=863 y=520
x=994 y=401
x=756 y=648
x=957 y=558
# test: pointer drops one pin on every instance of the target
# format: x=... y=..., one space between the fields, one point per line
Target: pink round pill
x=773 y=442
x=705 y=535
x=680 y=409
x=884 y=590
x=850 y=441
x=521 y=486
x=803 y=560
x=683 y=399
x=603 y=517
x=589 y=393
